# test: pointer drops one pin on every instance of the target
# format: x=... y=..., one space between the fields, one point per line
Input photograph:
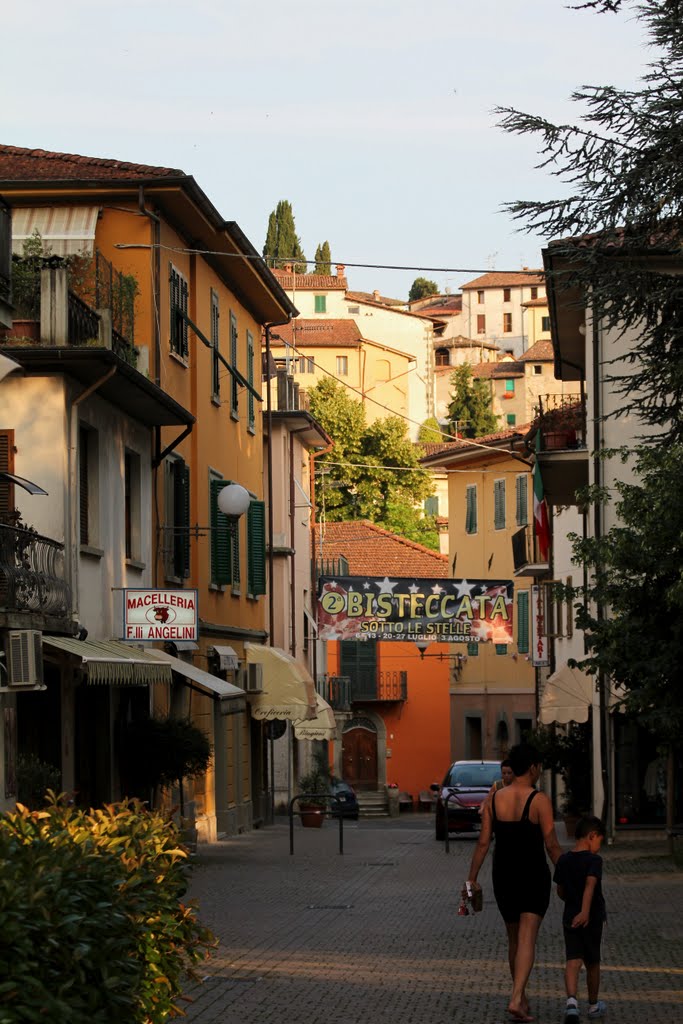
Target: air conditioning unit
x=251 y=678
x=24 y=657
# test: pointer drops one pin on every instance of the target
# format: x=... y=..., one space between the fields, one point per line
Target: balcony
x=379 y=686
x=336 y=690
x=32 y=573
x=525 y=556
x=563 y=454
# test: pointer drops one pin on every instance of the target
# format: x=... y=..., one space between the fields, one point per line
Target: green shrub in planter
x=159 y=752
x=92 y=930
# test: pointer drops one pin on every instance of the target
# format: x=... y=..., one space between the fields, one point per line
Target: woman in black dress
x=521 y=819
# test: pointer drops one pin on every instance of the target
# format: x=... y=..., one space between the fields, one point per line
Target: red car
x=466 y=785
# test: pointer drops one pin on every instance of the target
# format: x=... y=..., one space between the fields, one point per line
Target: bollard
x=317 y=796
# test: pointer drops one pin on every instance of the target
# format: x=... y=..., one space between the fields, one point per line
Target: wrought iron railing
x=123 y=350
x=332 y=566
x=379 y=685
x=84 y=322
x=562 y=421
x=525 y=548
x=336 y=690
x=32 y=573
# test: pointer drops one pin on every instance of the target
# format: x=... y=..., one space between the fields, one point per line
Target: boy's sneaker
x=571 y=1012
x=596 y=1011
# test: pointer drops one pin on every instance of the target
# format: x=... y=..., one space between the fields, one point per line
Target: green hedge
x=92 y=927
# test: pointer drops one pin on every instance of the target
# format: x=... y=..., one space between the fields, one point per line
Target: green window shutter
x=499 y=504
x=431 y=505
x=358 y=659
x=473 y=650
x=234 y=393
x=256 y=548
x=181 y=503
x=510 y=385
x=184 y=293
x=221 y=538
x=523 y=621
x=522 y=500
x=251 y=418
x=321 y=303
x=511 y=419
x=215 y=346
x=471 y=509
x=501 y=648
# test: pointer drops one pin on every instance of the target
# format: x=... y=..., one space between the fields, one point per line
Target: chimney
x=376 y=295
x=341 y=270
x=288 y=268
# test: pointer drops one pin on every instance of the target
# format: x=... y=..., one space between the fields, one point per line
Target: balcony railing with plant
x=561 y=420
x=32 y=573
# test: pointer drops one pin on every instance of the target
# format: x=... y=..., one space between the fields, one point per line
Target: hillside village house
x=201 y=301
x=390 y=702
x=494 y=307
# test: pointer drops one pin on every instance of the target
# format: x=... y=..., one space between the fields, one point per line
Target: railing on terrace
x=379 y=685
x=525 y=554
x=336 y=690
x=562 y=421
x=332 y=567
x=32 y=576
x=84 y=322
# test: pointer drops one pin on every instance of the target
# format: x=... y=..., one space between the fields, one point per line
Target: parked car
x=348 y=801
x=467 y=784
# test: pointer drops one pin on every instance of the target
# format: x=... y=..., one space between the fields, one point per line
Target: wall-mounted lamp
x=234 y=500
x=422 y=646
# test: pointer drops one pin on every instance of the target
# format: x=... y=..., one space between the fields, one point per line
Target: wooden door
x=359 y=757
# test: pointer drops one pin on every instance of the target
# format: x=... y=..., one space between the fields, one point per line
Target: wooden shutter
x=522 y=500
x=221 y=537
x=523 y=621
x=215 y=343
x=181 y=518
x=83 y=501
x=471 y=509
x=7 y=465
x=499 y=504
x=358 y=658
x=234 y=393
x=256 y=548
x=251 y=419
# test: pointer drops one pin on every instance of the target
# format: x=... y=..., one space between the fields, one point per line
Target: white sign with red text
x=160 y=615
x=540 y=653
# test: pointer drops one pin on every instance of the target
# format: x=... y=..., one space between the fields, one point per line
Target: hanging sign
x=406 y=608
x=540 y=652
x=160 y=615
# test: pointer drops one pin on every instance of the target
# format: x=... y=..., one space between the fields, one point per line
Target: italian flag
x=541 y=524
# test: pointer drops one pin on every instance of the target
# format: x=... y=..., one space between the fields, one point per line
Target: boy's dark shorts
x=584 y=943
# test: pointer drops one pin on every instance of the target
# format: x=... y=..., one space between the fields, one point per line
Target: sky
x=374 y=118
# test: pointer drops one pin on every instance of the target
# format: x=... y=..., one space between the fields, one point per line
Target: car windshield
x=480 y=775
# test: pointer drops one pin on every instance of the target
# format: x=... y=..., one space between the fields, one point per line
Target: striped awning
x=109 y=662
x=64 y=230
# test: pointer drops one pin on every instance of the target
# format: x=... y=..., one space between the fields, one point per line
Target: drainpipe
x=269 y=477
x=314 y=556
x=605 y=752
x=155 y=230
x=292 y=540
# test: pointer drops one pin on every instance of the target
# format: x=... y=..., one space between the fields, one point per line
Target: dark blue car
x=346 y=804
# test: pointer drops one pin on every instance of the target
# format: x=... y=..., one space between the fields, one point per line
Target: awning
x=288 y=690
x=111 y=662
x=322 y=727
x=64 y=230
x=228 y=659
x=567 y=697
x=231 y=697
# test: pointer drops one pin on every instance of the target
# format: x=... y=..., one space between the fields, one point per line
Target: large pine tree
x=470 y=411
x=282 y=243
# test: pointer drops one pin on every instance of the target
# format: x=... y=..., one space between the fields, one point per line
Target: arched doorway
x=359 y=753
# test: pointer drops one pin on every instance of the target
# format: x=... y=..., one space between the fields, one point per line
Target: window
x=251 y=414
x=177 y=519
x=256 y=548
x=471 y=509
x=431 y=505
x=511 y=419
x=481 y=323
x=234 y=392
x=499 y=504
x=501 y=649
x=178 y=312
x=354 y=310
x=7 y=465
x=507 y=323
x=522 y=727
x=132 y=509
x=443 y=357
x=473 y=745
x=473 y=650
x=342 y=366
x=506 y=294
x=215 y=362
x=538 y=369
x=545 y=324
x=321 y=304
x=222 y=562
x=480 y=297
x=523 y=620
x=509 y=388
x=534 y=292
x=522 y=500
x=88 y=485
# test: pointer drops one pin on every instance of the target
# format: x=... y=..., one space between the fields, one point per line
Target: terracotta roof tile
x=360 y=297
x=318 y=333
x=384 y=300
x=460 y=445
x=507 y=368
x=506 y=279
x=541 y=352
x=309 y=282
x=18 y=164
x=536 y=303
x=462 y=342
x=373 y=551
x=441 y=305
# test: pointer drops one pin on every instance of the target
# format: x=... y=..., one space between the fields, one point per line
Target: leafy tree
x=373 y=471
x=323 y=259
x=431 y=432
x=421 y=287
x=282 y=243
x=470 y=410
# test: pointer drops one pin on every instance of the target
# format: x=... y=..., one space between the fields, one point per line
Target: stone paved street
x=373 y=936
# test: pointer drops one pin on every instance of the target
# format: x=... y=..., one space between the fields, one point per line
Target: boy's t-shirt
x=571 y=872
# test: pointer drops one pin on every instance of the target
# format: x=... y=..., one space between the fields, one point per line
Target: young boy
x=578 y=876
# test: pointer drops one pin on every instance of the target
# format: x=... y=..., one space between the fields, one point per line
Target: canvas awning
x=231 y=697
x=567 y=697
x=110 y=662
x=288 y=689
x=65 y=230
x=228 y=659
x=322 y=727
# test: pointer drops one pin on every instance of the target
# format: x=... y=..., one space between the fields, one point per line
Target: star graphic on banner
x=366 y=586
x=414 y=589
x=386 y=586
x=464 y=589
x=437 y=589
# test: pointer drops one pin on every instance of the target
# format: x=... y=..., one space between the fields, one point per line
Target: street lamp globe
x=234 y=500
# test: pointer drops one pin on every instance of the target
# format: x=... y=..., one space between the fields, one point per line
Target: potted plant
x=317 y=780
x=562 y=425
x=393 y=795
x=568 y=755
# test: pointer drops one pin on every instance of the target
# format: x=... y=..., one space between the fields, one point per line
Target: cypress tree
x=282 y=243
x=323 y=259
